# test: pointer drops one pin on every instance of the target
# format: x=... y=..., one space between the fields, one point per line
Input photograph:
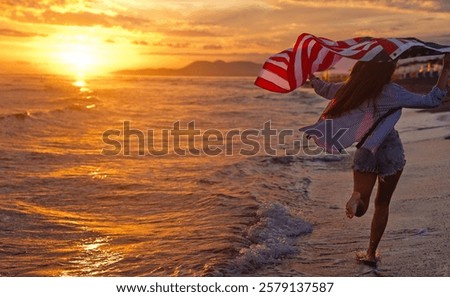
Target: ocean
x=91 y=186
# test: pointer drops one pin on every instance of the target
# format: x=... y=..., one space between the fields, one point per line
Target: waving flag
x=289 y=69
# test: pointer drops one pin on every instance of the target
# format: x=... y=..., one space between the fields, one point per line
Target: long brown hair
x=364 y=84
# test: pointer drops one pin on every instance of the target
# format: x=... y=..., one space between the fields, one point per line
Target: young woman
x=366 y=96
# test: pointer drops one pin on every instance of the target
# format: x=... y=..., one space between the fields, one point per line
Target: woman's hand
x=312 y=76
x=442 y=82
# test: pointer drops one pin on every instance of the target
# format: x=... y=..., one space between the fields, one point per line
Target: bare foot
x=352 y=205
x=365 y=258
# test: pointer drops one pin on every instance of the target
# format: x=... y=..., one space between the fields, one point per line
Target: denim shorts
x=387 y=160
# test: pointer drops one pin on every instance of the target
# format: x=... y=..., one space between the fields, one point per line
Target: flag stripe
x=270 y=85
x=282 y=64
x=273 y=68
x=275 y=79
x=289 y=69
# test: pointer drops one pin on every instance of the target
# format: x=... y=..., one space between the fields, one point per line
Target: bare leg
x=386 y=187
x=363 y=183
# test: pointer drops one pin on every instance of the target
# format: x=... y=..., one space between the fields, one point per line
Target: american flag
x=289 y=69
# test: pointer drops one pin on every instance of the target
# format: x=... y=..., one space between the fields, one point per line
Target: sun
x=77 y=54
x=86 y=54
x=79 y=58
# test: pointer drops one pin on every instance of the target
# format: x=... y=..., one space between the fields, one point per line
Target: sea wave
x=273 y=237
x=279 y=187
x=69 y=115
x=20 y=116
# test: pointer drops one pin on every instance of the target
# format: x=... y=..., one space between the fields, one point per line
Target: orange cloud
x=15 y=33
x=139 y=42
x=66 y=12
x=172 y=45
x=421 y=5
x=82 y=19
x=192 y=32
x=212 y=47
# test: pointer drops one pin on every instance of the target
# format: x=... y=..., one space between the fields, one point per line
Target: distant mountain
x=202 y=68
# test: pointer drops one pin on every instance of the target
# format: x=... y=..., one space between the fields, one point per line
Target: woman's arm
x=433 y=98
x=324 y=89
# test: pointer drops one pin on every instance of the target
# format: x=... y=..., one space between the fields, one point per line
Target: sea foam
x=273 y=237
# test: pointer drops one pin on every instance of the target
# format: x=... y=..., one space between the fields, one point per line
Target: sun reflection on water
x=98 y=173
x=95 y=257
x=79 y=83
x=98 y=242
x=85 y=92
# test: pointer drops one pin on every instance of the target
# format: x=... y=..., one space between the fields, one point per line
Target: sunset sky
x=99 y=36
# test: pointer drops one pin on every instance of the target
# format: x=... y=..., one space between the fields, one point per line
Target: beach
x=416 y=240
x=70 y=205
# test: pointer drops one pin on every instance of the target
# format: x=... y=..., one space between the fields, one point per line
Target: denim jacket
x=338 y=133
